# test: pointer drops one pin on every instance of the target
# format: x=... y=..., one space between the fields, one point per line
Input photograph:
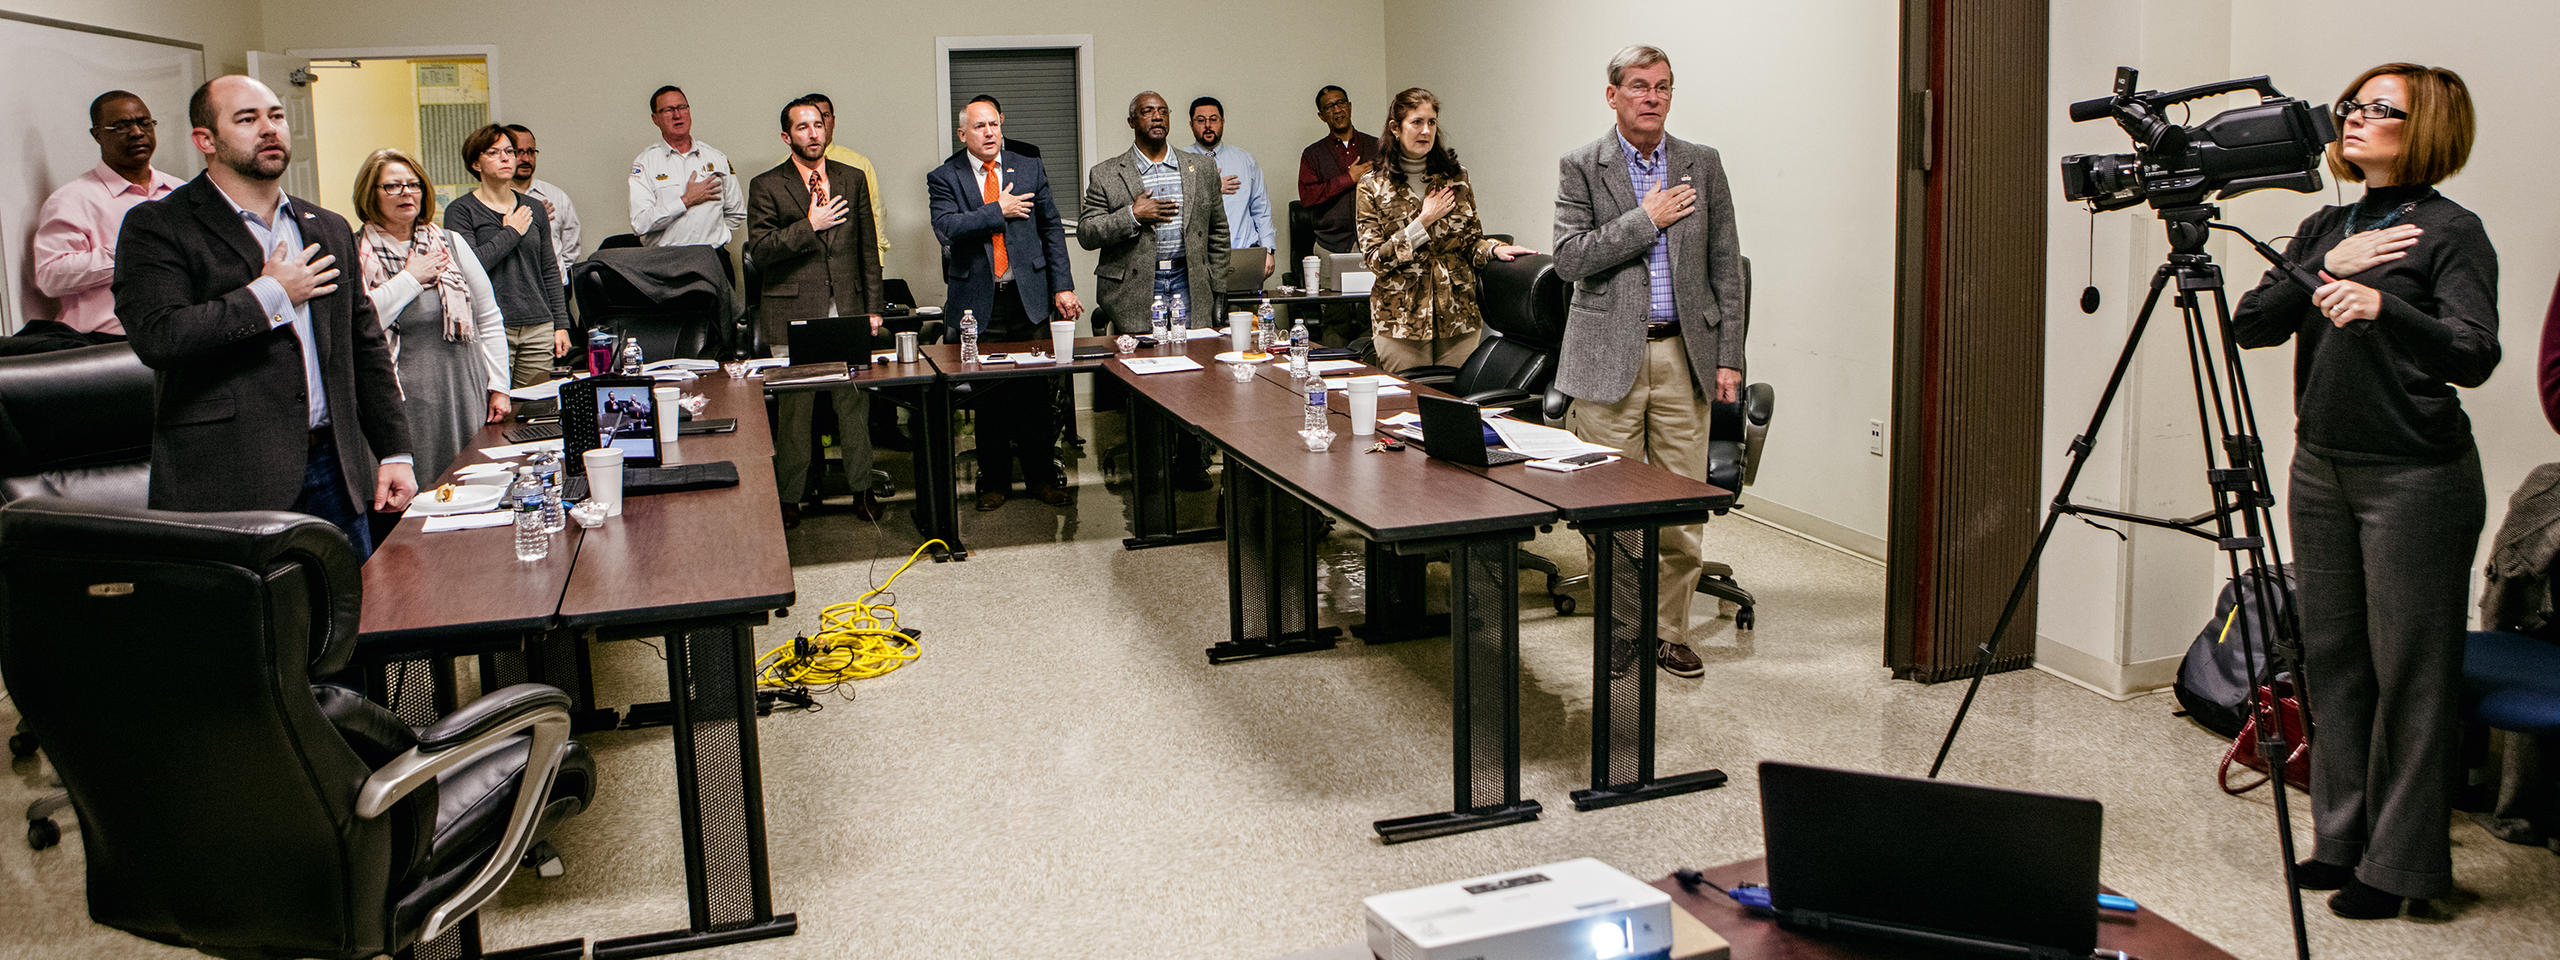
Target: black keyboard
x=640 y=481
x=551 y=431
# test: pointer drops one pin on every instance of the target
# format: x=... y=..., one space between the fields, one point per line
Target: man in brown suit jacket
x=276 y=389
x=815 y=260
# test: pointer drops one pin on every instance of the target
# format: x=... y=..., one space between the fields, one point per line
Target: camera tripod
x=2241 y=522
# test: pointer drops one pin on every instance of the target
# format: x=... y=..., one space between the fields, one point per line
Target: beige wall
x=580 y=74
x=2120 y=615
x=1799 y=99
x=356 y=112
x=227 y=28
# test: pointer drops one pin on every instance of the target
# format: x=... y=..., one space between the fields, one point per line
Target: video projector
x=1575 y=910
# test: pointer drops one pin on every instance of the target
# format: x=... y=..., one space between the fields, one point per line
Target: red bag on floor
x=2244 y=748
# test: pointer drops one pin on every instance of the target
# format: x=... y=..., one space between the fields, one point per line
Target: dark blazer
x=804 y=271
x=1036 y=246
x=1124 y=276
x=1603 y=236
x=231 y=430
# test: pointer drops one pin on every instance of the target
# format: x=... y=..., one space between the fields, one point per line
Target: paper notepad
x=1146 y=365
x=1329 y=366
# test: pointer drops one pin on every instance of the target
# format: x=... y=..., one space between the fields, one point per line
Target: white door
x=291 y=79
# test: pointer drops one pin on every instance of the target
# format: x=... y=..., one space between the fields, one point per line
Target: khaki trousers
x=1663 y=419
x=1396 y=354
x=529 y=354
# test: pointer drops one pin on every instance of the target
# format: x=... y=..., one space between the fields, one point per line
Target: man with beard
x=75 y=245
x=555 y=201
x=810 y=235
x=1248 y=200
x=275 y=385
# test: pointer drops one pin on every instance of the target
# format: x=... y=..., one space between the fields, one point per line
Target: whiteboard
x=51 y=70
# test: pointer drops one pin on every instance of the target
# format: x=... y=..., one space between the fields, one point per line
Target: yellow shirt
x=842 y=154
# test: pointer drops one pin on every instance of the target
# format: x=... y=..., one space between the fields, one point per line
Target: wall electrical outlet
x=1875 y=437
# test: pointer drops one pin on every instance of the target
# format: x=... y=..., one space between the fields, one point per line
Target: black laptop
x=1454 y=430
x=1966 y=868
x=845 y=340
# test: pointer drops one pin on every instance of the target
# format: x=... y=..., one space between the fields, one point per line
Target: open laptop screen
x=1883 y=854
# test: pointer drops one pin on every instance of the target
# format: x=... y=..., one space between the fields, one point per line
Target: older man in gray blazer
x=1655 y=329
x=1153 y=204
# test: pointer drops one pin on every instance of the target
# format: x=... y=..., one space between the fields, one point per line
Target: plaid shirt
x=1646 y=171
x=1164 y=179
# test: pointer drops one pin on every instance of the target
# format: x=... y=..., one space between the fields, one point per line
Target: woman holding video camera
x=2387 y=500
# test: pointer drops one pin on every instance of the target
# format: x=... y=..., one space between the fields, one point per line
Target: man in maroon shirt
x=1329 y=168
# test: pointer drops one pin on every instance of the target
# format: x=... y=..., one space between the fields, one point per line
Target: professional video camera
x=2276 y=143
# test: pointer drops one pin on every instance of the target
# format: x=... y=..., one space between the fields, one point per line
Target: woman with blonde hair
x=447 y=338
x=1419 y=234
x=2386 y=500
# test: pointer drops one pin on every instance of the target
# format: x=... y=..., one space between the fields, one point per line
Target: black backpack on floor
x=2213 y=687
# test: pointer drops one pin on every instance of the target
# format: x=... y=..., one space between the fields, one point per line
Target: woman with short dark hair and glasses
x=512 y=234
x=2386 y=500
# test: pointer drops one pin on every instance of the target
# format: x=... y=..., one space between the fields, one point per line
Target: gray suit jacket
x=1124 y=278
x=1602 y=239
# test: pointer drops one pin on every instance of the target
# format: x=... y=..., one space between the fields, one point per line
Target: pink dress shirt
x=75 y=247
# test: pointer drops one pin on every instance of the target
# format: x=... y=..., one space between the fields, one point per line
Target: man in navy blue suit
x=1005 y=260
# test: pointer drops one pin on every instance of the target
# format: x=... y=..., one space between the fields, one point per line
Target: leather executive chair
x=232 y=805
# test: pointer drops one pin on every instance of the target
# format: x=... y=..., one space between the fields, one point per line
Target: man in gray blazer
x=1151 y=204
x=1644 y=232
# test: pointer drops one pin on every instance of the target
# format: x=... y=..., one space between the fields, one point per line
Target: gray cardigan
x=521 y=266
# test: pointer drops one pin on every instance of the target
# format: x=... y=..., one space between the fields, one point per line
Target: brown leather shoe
x=1052 y=495
x=1678 y=660
x=866 y=505
x=790 y=516
x=990 y=500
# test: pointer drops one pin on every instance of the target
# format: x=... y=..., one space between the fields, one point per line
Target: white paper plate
x=1235 y=357
x=467 y=498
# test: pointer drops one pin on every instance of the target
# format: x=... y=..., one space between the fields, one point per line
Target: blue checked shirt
x=1165 y=181
x=1646 y=171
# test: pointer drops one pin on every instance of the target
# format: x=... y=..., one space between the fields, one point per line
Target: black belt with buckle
x=1003 y=285
x=319 y=436
x=1663 y=330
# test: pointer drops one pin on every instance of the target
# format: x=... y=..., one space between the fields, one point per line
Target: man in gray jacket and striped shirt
x=1645 y=234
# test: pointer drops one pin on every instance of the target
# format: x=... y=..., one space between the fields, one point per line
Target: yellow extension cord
x=855 y=641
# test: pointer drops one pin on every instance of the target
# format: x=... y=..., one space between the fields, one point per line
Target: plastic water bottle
x=631 y=361
x=1178 y=322
x=555 y=515
x=968 y=336
x=532 y=543
x=1315 y=404
x=1298 y=349
x=1262 y=324
x=1158 y=319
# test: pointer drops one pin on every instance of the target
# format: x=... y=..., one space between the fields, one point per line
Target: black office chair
x=1523 y=302
x=1302 y=244
x=73 y=423
x=696 y=314
x=231 y=805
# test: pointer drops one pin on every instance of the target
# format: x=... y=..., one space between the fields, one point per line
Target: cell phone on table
x=1572 y=463
x=1096 y=353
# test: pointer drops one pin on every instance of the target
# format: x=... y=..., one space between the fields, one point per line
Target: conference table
x=1412 y=508
x=700 y=568
x=2142 y=934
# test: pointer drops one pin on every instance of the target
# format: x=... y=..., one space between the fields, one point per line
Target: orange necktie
x=991 y=189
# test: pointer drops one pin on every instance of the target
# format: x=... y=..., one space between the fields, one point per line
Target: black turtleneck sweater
x=2382 y=390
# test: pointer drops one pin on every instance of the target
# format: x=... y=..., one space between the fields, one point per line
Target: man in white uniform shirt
x=555 y=201
x=682 y=190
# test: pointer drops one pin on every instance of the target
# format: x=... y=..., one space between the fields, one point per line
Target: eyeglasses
x=1641 y=88
x=1326 y=107
x=499 y=151
x=405 y=186
x=2376 y=110
x=127 y=128
x=675 y=108
x=527 y=151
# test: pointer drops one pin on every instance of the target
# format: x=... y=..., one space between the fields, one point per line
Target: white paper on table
x=674 y=376
x=1146 y=365
x=1203 y=333
x=514 y=450
x=767 y=363
x=468 y=521
x=680 y=363
x=1329 y=366
x=1033 y=360
x=1543 y=442
x=487 y=469
x=545 y=390
x=1386 y=384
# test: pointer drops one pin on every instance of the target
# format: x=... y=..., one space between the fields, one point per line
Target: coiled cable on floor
x=856 y=640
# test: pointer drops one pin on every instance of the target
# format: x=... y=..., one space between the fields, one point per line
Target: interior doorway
x=423 y=102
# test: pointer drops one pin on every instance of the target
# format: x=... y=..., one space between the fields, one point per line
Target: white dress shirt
x=658 y=213
x=282 y=311
x=564 y=222
x=1249 y=208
